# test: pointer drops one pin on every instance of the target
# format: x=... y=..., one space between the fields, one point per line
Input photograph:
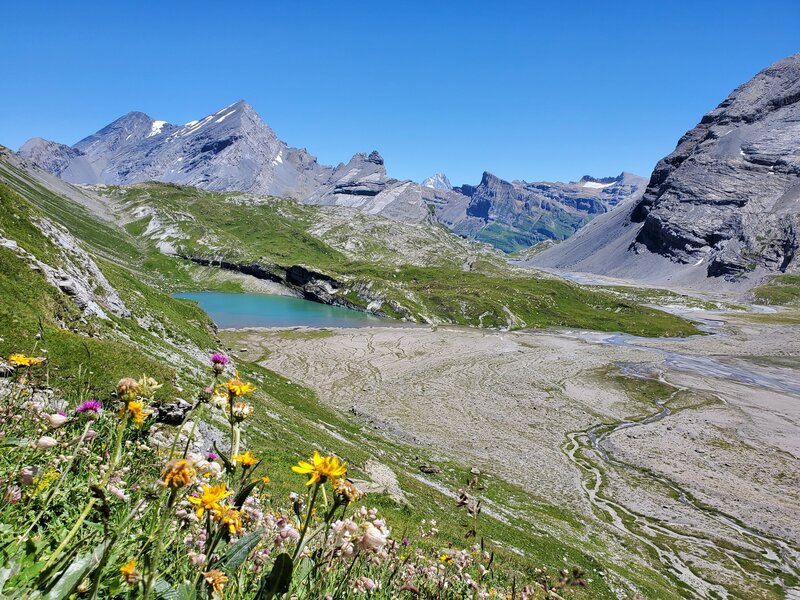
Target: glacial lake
x=238 y=310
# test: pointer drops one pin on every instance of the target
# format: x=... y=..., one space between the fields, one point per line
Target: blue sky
x=526 y=90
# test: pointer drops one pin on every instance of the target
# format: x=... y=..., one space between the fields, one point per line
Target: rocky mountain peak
x=438 y=181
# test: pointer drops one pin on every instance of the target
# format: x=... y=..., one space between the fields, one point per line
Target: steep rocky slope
x=519 y=214
x=723 y=207
x=233 y=149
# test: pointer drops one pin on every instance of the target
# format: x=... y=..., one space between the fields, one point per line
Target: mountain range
x=233 y=149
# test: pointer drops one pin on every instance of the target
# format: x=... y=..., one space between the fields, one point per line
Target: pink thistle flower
x=219 y=359
x=94 y=406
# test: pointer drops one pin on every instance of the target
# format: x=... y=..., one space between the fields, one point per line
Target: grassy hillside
x=781 y=290
x=418 y=272
x=168 y=339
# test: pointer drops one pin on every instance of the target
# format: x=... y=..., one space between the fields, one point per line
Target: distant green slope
x=279 y=234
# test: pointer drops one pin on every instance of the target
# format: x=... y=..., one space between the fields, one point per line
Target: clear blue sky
x=527 y=90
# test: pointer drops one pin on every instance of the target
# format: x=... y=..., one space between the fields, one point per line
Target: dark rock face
x=729 y=195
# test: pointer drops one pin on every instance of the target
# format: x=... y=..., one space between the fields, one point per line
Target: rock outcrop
x=729 y=195
x=725 y=205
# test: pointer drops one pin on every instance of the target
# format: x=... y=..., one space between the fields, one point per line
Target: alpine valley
x=605 y=371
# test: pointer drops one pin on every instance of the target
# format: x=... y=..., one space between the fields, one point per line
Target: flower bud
x=45 y=442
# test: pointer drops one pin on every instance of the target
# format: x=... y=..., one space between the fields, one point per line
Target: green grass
x=781 y=290
x=276 y=232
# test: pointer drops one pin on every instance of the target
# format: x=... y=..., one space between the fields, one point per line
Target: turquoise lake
x=237 y=310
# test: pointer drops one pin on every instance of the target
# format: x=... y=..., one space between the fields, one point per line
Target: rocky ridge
x=723 y=207
x=233 y=149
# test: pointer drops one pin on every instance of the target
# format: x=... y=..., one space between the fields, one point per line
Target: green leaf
x=225 y=460
x=164 y=591
x=243 y=493
x=239 y=552
x=71 y=577
x=277 y=581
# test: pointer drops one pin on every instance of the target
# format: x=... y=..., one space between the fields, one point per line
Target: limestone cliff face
x=728 y=197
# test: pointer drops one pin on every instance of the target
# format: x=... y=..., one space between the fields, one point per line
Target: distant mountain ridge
x=233 y=149
x=723 y=207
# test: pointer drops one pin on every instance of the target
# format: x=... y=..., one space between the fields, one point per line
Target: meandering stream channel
x=591 y=451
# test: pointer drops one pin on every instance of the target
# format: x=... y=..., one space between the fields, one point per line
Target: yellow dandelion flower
x=237 y=387
x=230 y=517
x=248 y=459
x=178 y=473
x=210 y=498
x=445 y=558
x=129 y=572
x=320 y=469
x=216 y=579
x=265 y=480
x=20 y=360
x=138 y=411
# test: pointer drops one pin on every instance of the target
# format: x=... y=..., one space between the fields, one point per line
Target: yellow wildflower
x=210 y=498
x=20 y=360
x=320 y=469
x=265 y=480
x=216 y=579
x=129 y=572
x=178 y=473
x=230 y=517
x=237 y=387
x=138 y=411
x=248 y=459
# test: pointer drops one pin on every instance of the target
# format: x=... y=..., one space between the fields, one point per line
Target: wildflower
x=20 y=360
x=56 y=420
x=178 y=473
x=27 y=475
x=128 y=388
x=247 y=460
x=138 y=411
x=148 y=386
x=320 y=469
x=211 y=456
x=119 y=493
x=265 y=480
x=372 y=538
x=230 y=517
x=364 y=584
x=216 y=580
x=89 y=406
x=210 y=498
x=45 y=443
x=237 y=387
x=13 y=495
x=129 y=572
x=242 y=410
x=219 y=359
x=218 y=362
x=346 y=491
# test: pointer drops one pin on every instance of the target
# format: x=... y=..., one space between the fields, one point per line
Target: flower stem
x=307 y=522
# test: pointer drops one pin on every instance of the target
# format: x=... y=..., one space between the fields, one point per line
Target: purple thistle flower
x=212 y=456
x=62 y=413
x=219 y=359
x=89 y=405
